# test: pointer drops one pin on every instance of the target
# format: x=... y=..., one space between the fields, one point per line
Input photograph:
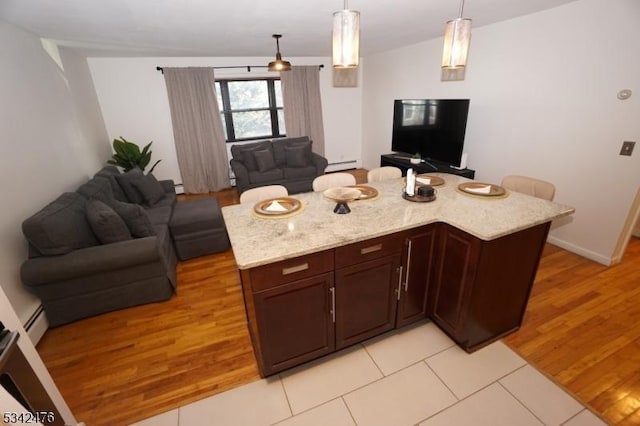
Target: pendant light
x=457 y=35
x=346 y=38
x=279 y=64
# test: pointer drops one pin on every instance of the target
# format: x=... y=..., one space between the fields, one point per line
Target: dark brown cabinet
x=290 y=310
x=366 y=299
x=481 y=288
x=417 y=260
x=367 y=278
x=295 y=322
x=476 y=291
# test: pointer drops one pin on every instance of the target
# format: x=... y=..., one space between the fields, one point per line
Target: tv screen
x=433 y=128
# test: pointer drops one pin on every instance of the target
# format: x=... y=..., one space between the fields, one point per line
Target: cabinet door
x=417 y=270
x=454 y=277
x=366 y=299
x=295 y=322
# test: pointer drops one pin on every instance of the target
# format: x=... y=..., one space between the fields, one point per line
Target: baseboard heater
x=36 y=325
x=340 y=163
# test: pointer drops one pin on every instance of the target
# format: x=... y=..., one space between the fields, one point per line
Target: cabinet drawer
x=374 y=248
x=275 y=274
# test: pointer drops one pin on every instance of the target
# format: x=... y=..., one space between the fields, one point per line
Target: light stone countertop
x=257 y=241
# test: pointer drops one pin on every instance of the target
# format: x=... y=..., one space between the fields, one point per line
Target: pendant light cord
x=461 y=8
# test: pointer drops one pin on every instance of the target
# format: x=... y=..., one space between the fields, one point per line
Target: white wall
x=134 y=103
x=44 y=149
x=543 y=103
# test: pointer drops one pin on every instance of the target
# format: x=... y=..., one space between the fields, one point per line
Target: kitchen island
x=316 y=282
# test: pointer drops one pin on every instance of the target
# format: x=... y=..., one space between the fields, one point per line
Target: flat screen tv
x=433 y=128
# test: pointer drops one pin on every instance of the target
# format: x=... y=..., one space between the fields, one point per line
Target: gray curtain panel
x=302 y=104
x=197 y=129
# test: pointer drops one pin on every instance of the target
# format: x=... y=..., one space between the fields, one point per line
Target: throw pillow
x=126 y=183
x=110 y=173
x=296 y=156
x=105 y=222
x=61 y=226
x=135 y=217
x=264 y=159
x=150 y=189
x=98 y=188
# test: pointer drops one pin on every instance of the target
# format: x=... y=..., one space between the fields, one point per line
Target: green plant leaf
x=128 y=155
x=154 y=166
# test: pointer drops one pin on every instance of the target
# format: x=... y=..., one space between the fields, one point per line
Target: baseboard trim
x=37 y=325
x=596 y=257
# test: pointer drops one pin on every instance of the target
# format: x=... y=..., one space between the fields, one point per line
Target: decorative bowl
x=342 y=196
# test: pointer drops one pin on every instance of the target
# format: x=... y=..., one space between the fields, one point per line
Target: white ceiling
x=244 y=27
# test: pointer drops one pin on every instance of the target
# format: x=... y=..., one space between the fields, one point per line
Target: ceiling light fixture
x=457 y=35
x=279 y=64
x=346 y=38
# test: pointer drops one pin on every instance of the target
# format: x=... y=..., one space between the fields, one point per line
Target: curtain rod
x=248 y=67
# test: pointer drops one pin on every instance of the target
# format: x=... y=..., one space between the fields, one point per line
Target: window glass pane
x=283 y=130
x=248 y=94
x=219 y=97
x=252 y=124
x=277 y=87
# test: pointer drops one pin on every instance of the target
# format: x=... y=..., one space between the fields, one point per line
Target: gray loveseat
x=288 y=162
x=84 y=262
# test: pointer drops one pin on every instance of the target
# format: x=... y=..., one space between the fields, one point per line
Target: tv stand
x=403 y=162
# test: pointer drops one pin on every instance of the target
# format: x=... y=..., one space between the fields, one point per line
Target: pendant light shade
x=346 y=38
x=457 y=36
x=279 y=64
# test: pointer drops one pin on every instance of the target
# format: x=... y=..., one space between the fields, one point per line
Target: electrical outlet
x=627 y=148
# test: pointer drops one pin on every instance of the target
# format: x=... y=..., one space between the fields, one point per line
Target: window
x=251 y=109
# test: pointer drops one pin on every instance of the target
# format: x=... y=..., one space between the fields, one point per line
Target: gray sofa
x=84 y=262
x=287 y=161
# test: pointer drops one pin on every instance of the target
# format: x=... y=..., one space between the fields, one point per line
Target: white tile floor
x=413 y=376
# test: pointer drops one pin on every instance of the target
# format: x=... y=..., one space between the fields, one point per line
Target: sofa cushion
x=169 y=199
x=60 y=227
x=110 y=173
x=150 y=189
x=264 y=160
x=244 y=153
x=308 y=172
x=296 y=156
x=98 y=188
x=268 y=176
x=278 y=146
x=136 y=218
x=126 y=183
x=108 y=226
x=160 y=215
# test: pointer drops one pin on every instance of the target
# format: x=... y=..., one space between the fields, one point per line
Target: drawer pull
x=332 y=290
x=294 y=269
x=371 y=249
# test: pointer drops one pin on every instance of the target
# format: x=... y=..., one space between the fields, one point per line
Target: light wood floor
x=581 y=329
x=124 y=366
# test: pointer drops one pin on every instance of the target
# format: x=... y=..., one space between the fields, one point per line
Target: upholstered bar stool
x=332 y=180
x=383 y=173
x=260 y=193
x=531 y=186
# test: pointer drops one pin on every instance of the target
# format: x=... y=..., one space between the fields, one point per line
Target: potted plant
x=416 y=159
x=129 y=156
